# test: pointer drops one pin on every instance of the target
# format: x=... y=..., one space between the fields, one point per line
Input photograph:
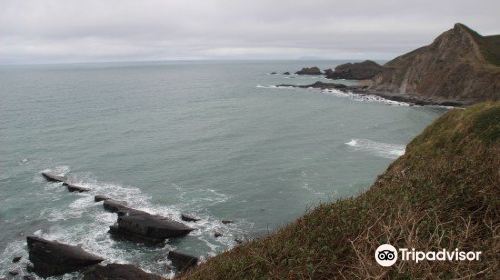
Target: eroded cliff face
x=453 y=67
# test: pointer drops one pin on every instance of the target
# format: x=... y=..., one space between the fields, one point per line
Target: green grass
x=443 y=193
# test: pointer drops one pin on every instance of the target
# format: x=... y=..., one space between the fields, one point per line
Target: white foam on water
x=385 y=150
x=92 y=232
x=363 y=97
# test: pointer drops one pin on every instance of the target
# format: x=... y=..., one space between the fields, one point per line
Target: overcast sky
x=54 y=31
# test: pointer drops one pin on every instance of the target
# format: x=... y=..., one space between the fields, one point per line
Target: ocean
x=215 y=139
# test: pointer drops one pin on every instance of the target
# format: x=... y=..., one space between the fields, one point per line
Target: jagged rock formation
x=460 y=65
x=355 y=71
x=51 y=258
x=309 y=71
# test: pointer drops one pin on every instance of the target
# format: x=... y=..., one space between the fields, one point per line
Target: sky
x=63 y=31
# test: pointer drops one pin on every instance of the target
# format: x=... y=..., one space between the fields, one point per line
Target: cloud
x=33 y=31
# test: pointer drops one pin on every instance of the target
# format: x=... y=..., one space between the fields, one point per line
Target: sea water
x=215 y=139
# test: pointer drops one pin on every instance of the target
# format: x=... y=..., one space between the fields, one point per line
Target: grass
x=443 y=193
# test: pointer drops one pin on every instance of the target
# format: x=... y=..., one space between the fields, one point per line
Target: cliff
x=460 y=65
x=442 y=193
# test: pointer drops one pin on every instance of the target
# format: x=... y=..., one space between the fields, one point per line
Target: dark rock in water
x=227 y=222
x=29 y=277
x=51 y=258
x=118 y=272
x=14 y=272
x=53 y=177
x=74 y=188
x=182 y=261
x=319 y=85
x=217 y=234
x=116 y=206
x=189 y=218
x=16 y=259
x=309 y=71
x=141 y=226
x=273 y=73
x=355 y=71
x=99 y=198
x=286 y=73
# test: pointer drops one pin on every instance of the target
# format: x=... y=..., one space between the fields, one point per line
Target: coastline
x=363 y=90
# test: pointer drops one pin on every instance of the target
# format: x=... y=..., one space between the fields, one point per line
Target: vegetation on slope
x=443 y=193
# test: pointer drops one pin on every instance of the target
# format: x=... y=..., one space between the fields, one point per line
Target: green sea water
x=214 y=139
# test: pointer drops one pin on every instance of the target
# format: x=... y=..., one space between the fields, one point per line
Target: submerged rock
x=189 y=218
x=140 y=226
x=286 y=73
x=118 y=272
x=75 y=188
x=182 y=261
x=51 y=258
x=53 y=177
x=309 y=71
x=217 y=234
x=227 y=222
x=99 y=198
x=16 y=259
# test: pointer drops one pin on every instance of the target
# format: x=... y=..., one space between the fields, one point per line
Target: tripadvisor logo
x=387 y=255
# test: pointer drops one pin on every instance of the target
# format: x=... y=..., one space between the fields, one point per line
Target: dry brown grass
x=443 y=193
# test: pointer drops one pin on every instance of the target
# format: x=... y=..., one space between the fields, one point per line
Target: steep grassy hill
x=460 y=65
x=443 y=193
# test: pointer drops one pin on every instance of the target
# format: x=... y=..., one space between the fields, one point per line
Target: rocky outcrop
x=189 y=218
x=355 y=71
x=50 y=258
x=309 y=71
x=100 y=197
x=140 y=226
x=182 y=261
x=115 y=206
x=460 y=65
x=318 y=84
x=51 y=177
x=75 y=188
x=119 y=272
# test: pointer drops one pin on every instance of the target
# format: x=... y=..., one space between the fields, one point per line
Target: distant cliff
x=460 y=65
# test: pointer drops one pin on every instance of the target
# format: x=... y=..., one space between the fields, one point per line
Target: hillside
x=460 y=65
x=443 y=193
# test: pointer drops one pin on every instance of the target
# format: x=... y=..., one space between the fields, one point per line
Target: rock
x=29 y=277
x=227 y=222
x=144 y=227
x=319 y=85
x=74 y=188
x=182 y=261
x=286 y=73
x=13 y=272
x=217 y=234
x=309 y=71
x=51 y=258
x=99 y=198
x=16 y=259
x=118 y=272
x=53 y=177
x=356 y=71
x=237 y=240
x=189 y=218
x=116 y=206
x=273 y=73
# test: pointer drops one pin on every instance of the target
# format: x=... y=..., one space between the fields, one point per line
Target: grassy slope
x=443 y=193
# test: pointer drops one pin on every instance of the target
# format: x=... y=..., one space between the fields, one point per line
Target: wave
x=363 y=98
x=92 y=231
x=385 y=150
